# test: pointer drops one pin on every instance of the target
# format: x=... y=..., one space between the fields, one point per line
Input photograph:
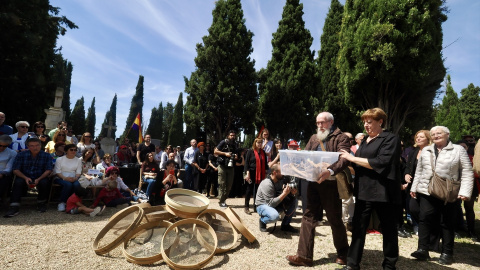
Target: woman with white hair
x=449 y=161
x=19 y=138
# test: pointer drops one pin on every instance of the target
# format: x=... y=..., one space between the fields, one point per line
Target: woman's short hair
x=376 y=114
x=6 y=139
x=426 y=133
x=68 y=146
x=38 y=123
x=442 y=128
x=255 y=141
x=21 y=123
x=170 y=161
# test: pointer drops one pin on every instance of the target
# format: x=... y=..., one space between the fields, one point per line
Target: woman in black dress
x=200 y=162
x=377 y=187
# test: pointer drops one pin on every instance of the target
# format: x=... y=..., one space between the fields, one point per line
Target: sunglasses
x=23 y=126
x=114 y=173
x=61 y=135
x=87 y=136
x=40 y=127
x=72 y=150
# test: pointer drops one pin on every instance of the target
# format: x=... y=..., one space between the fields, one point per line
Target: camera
x=230 y=161
x=292 y=184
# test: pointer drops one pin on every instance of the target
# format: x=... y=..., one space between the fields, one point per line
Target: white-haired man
x=323 y=194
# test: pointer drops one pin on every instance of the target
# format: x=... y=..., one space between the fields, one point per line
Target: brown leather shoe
x=297 y=260
x=342 y=260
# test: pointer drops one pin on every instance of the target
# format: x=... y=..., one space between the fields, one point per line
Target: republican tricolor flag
x=137 y=125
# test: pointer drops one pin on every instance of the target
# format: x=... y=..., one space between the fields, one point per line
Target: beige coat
x=452 y=163
x=476 y=159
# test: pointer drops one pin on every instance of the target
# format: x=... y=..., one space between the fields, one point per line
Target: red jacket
x=107 y=196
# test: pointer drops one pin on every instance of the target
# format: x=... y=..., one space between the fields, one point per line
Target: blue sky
x=118 y=40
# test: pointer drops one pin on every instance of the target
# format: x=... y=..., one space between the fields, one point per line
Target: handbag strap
x=431 y=163
x=322 y=146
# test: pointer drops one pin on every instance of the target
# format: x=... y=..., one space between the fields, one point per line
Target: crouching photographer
x=274 y=196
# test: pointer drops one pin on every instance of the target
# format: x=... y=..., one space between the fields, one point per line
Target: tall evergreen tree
x=390 y=57
x=77 y=118
x=111 y=115
x=470 y=109
x=222 y=90
x=328 y=74
x=29 y=30
x=448 y=113
x=156 y=129
x=175 y=135
x=167 y=121
x=287 y=85
x=151 y=122
x=90 y=121
x=135 y=108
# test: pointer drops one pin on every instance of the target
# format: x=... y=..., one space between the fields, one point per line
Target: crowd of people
x=375 y=186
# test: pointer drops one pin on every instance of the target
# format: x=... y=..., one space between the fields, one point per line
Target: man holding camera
x=273 y=198
x=32 y=168
x=323 y=194
x=225 y=151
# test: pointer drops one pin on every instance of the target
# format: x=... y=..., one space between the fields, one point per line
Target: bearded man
x=323 y=194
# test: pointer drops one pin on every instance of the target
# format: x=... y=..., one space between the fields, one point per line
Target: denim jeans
x=67 y=188
x=150 y=185
x=269 y=214
x=188 y=184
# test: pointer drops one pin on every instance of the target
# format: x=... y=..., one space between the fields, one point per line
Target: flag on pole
x=137 y=125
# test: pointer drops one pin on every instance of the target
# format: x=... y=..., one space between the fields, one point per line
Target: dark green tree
x=390 y=57
x=90 y=121
x=470 y=109
x=77 y=118
x=175 y=135
x=151 y=122
x=29 y=30
x=222 y=91
x=448 y=113
x=288 y=82
x=135 y=108
x=110 y=116
x=167 y=121
x=331 y=96
x=155 y=126
x=63 y=77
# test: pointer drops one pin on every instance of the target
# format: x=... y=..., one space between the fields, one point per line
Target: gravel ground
x=55 y=240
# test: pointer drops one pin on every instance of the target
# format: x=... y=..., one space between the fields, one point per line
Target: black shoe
x=12 y=211
x=402 y=233
x=421 y=255
x=42 y=207
x=445 y=259
x=263 y=226
x=288 y=228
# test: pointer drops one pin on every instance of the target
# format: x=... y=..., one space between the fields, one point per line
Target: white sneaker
x=101 y=210
x=95 y=211
x=61 y=207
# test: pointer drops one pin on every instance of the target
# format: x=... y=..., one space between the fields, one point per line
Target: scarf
x=260 y=166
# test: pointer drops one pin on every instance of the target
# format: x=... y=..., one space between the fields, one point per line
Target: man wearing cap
x=323 y=194
x=293 y=145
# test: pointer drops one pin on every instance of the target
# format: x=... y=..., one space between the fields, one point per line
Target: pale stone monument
x=108 y=143
x=55 y=113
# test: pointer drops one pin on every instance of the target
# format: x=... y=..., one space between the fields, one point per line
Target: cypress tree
x=288 y=82
x=222 y=89
x=448 y=113
x=470 y=109
x=167 y=121
x=110 y=115
x=136 y=107
x=332 y=96
x=77 y=118
x=175 y=135
x=90 y=121
x=151 y=123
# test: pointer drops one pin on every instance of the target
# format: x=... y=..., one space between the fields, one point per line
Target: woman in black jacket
x=256 y=165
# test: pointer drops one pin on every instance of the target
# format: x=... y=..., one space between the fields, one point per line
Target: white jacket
x=452 y=163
